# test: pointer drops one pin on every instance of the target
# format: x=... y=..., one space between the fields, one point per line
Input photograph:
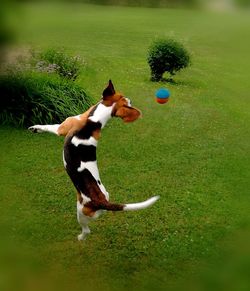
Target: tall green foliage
x=32 y=98
x=41 y=89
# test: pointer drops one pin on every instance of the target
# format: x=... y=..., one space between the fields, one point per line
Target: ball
x=162 y=95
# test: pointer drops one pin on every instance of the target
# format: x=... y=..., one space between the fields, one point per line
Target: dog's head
x=121 y=105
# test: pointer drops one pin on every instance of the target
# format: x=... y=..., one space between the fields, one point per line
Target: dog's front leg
x=52 y=128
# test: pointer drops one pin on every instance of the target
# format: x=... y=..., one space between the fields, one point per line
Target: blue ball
x=162 y=93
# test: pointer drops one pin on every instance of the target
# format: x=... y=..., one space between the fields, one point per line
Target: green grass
x=193 y=152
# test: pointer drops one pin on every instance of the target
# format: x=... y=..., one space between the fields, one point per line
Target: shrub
x=58 y=61
x=31 y=98
x=166 y=55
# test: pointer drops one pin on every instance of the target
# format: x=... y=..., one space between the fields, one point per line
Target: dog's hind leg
x=83 y=221
x=85 y=232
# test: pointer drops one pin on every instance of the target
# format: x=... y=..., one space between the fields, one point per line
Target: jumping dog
x=82 y=133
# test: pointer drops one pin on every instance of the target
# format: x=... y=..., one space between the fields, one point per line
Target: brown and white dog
x=82 y=133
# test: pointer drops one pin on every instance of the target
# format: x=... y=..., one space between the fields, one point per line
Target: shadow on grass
x=174 y=82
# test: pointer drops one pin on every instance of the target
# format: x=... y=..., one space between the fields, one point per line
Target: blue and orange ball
x=162 y=95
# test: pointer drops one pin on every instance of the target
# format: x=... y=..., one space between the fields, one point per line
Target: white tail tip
x=141 y=205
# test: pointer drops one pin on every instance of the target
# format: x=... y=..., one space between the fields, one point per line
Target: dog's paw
x=35 y=129
x=81 y=237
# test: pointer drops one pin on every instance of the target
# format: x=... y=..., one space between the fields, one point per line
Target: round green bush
x=167 y=55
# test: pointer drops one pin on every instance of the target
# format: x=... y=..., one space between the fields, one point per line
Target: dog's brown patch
x=110 y=100
x=72 y=124
x=88 y=211
x=127 y=114
x=96 y=134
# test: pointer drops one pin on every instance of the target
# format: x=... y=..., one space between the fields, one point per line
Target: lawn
x=193 y=152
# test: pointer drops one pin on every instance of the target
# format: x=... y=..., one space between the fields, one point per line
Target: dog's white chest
x=102 y=114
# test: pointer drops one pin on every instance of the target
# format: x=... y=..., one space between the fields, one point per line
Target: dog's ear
x=128 y=114
x=109 y=91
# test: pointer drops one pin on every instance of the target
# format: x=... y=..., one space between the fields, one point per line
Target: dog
x=82 y=133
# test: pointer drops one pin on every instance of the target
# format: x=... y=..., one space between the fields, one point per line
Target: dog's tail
x=131 y=207
x=141 y=205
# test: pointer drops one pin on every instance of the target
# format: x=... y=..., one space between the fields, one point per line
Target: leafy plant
x=166 y=55
x=58 y=61
x=30 y=98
